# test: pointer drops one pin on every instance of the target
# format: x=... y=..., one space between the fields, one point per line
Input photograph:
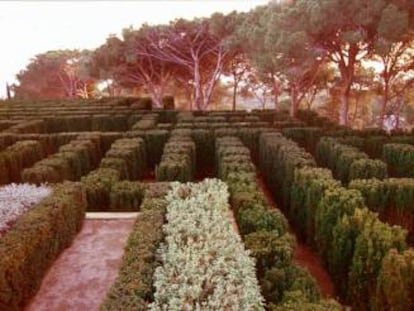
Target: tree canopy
x=300 y=50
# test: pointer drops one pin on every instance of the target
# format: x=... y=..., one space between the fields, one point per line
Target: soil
x=305 y=256
x=81 y=276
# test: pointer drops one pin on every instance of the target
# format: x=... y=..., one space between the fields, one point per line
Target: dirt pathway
x=306 y=257
x=81 y=276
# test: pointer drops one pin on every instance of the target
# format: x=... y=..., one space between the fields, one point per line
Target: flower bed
x=204 y=262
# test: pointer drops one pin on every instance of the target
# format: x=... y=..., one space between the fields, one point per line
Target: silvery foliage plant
x=204 y=263
x=16 y=199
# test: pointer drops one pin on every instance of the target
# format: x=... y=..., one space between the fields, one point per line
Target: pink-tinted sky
x=28 y=28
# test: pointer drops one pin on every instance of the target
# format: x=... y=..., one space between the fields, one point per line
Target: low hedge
x=128 y=156
x=30 y=126
x=71 y=162
x=155 y=141
x=305 y=137
x=307 y=189
x=109 y=123
x=178 y=161
x=351 y=240
x=18 y=156
x=279 y=157
x=395 y=287
x=264 y=231
x=399 y=159
x=34 y=242
x=367 y=168
x=126 y=196
x=373 y=243
x=392 y=198
x=133 y=287
x=98 y=185
x=204 y=140
x=347 y=162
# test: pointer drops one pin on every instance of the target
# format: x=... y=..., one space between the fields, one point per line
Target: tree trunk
x=294 y=104
x=344 y=107
x=198 y=100
x=384 y=103
x=234 y=96
x=276 y=94
x=8 y=91
x=398 y=112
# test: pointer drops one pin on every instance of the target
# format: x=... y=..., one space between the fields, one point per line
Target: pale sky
x=29 y=28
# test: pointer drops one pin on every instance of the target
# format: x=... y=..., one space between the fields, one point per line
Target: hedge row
x=126 y=196
x=32 y=126
x=305 y=137
x=86 y=123
x=351 y=240
x=5 y=124
x=34 y=242
x=15 y=158
x=98 y=185
x=71 y=162
x=265 y=233
x=373 y=144
x=133 y=287
x=204 y=140
x=155 y=141
x=347 y=162
x=147 y=122
x=178 y=162
x=278 y=159
x=232 y=156
x=128 y=156
x=392 y=199
x=50 y=142
x=400 y=159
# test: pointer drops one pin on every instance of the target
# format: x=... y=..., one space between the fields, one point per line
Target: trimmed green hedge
x=155 y=141
x=351 y=240
x=264 y=230
x=178 y=161
x=392 y=198
x=98 y=185
x=371 y=246
x=133 y=288
x=307 y=189
x=31 y=126
x=305 y=137
x=279 y=157
x=34 y=242
x=126 y=196
x=16 y=157
x=400 y=159
x=395 y=287
x=71 y=162
x=128 y=156
x=347 y=162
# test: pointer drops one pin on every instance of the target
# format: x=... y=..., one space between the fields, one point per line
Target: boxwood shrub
x=29 y=248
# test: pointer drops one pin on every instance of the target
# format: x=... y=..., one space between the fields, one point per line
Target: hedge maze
x=349 y=195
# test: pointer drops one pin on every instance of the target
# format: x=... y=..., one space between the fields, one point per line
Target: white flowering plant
x=17 y=199
x=205 y=265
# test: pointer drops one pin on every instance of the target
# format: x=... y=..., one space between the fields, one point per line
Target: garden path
x=81 y=276
x=305 y=256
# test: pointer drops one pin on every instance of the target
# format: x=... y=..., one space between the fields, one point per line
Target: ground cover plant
x=204 y=266
x=17 y=199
